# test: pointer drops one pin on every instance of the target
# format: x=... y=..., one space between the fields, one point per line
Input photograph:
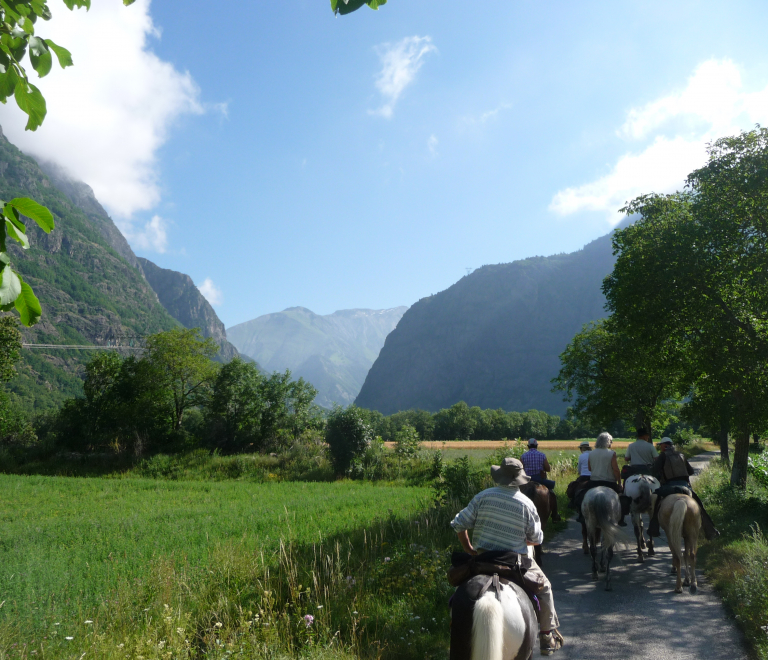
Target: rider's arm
x=627 y=457
x=466 y=543
x=533 y=532
x=546 y=467
x=615 y=466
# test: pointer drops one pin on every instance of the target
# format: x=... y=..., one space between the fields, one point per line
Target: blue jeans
x=544 y=482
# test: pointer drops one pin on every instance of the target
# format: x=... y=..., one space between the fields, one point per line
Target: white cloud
x=432 y=144
x=211 y=292
x=153 y=236
x=399 y=64
x=110 y=113
x=675 y=130
x=488 y=115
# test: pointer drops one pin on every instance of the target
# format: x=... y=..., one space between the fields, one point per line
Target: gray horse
x=641 y=489
x=602 y=511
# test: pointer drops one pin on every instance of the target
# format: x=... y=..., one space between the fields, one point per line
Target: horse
x=641 y=489
x=602 y=510
x=680 y=517
x=545 y=502
x=504 y=625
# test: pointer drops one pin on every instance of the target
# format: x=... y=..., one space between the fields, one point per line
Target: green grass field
x=115 y=552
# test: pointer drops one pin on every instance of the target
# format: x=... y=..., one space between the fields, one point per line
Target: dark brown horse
x=545 y=502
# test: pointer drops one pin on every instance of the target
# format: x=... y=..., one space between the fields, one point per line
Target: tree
x=10 y=345
x=348 y=435
x=691 y=280
x=182 y=360
x=235 y=406
x=348 y=6
x=455 y=423
x=612 y=376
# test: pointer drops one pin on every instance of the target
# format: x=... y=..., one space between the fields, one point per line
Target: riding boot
x=653 y=526
x=626 y=501
x=553 y=507
x=710 y=531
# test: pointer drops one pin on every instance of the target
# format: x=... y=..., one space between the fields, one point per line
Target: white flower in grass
x=319 y=607
x=69 y=639
x=88 y=621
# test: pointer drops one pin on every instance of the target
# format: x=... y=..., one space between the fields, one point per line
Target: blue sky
x=282 y=156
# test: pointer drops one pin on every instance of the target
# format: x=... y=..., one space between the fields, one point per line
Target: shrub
x=407 y=442
x=758 y=468
x=461 y=480
x=348 y=435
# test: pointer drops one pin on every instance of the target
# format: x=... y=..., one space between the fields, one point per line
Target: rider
x=583 y=465
x=536 y=464
x=640 y=455
x=604 y=471
x=674 y=471
x=536 y=467
x=502 y=518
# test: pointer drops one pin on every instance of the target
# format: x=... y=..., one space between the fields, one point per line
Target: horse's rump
x=601 y=508
x=511 y=613
x=639 y=489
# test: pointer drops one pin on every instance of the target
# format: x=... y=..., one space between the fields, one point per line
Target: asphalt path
x=642 y=617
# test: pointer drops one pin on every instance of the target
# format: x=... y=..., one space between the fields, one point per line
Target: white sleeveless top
x=600 y=463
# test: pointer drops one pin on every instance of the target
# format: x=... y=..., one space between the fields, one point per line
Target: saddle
x=506 y=565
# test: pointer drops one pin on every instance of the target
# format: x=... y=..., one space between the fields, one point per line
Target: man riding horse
x=674 y=472
x=503 y=519
x=537 y=466
x=640 y=455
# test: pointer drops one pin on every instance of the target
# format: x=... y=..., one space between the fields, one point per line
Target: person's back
x=641 y=453
x=583 y=465
x=601 y=465
x=533 y=462
x=675 y=468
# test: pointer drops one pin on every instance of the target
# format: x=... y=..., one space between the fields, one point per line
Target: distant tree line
x=462 y=422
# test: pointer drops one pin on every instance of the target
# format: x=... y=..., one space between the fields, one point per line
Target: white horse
x=602 y=511
x=504 y=625
x=641 y=488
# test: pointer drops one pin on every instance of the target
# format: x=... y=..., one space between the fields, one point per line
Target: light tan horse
x=680 y=518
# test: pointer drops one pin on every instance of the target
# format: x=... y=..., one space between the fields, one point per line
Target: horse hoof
x=678 y=590
x=608 y=587
x=586 y=551
x=686 y=582
x=693 y=589
x=651 y=552
x=594 y=576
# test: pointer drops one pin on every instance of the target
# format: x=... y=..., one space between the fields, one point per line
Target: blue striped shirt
x=502 y=518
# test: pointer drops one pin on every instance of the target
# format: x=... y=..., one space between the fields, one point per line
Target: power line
x=79 y=347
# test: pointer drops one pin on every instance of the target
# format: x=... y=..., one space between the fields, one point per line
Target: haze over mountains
x=493 y=338
x=92 y=287
x=333 y=352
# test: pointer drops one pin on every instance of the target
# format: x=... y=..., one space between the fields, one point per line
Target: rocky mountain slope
x=184 y=302
x=90 y=283
x=493 y=338
x=333 y=352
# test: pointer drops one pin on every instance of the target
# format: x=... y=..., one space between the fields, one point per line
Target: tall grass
x=738 y=561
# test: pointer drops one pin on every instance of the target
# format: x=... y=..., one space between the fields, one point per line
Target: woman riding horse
x=604 y=471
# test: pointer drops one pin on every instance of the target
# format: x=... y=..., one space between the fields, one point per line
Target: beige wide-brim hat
x=584 y=444
x=510 y=473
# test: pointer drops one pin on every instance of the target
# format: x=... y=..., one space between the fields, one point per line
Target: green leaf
x=37 y=212
x=348 y=6
x=3 y=254
x=62 y=54
x=128 y=2
x=4 y=258
x=40 y=56
x=78 y=3
x=31 y=101
x=28 y=305
x=16 y=234
x=8 y=81
x=10 y=285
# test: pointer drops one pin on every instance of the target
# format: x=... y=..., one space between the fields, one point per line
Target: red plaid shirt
x=533 y=462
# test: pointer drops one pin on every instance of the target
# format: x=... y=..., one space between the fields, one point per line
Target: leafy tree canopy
x=348 y=6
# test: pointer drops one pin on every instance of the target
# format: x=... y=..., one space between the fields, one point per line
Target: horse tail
x=643 y=500
x=612 y=533
x=676 y=522
x=488 y=629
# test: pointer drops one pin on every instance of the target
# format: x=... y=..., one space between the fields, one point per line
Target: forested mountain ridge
x=89 y=282
x=333 y=352
x=493 y=338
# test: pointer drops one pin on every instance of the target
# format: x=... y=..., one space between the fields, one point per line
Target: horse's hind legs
x=640 y=541
x=608 y=585
x=676 y=568
x=692 y=568
x=593 y=552
x=651 y=551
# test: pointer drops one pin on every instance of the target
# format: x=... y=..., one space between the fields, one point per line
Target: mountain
x=333 y=352
x=91 y=285
x=493 y=338
x=184 y=302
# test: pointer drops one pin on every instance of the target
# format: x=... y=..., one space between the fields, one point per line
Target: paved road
x=642 y=617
